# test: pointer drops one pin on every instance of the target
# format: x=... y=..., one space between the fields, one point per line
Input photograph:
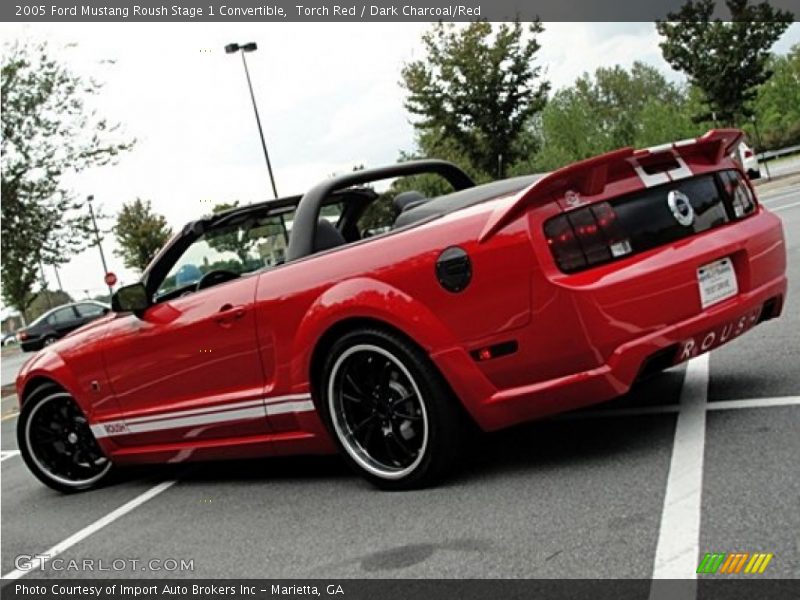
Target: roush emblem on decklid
x=681 y=208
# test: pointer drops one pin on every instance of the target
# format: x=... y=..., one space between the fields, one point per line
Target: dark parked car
x=58 y=322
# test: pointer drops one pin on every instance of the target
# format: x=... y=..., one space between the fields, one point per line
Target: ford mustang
x=296 y=326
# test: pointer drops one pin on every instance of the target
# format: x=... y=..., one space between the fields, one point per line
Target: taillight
x=748 y=153
x=618 y=242
x=742 y=199
x=563 y=244
x=22 y=335
x=586 y=237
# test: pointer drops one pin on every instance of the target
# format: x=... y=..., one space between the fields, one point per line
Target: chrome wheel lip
x=75 y=483
x=357 y=453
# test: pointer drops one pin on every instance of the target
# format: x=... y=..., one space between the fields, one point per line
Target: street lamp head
x=250 y=47
x=90 y=197
x=231 y=48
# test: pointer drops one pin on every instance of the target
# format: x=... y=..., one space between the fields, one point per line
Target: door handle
x=228 y=314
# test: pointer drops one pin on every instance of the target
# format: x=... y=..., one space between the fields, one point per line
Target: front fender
x=79 y=371
x=48 y=364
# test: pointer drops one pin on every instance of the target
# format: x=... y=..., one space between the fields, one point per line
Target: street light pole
x=45 y=291
x=97 y=237
x=58 y=278
x=760 y=146
x=251 y=47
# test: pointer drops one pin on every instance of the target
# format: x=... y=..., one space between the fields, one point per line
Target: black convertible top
x=442 y=205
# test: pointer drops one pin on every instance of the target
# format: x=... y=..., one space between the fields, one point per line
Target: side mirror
x=131 y=298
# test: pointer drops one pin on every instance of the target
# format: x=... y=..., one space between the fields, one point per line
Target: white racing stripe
x=195 y=411
x=290 y=407
x=226 y=413
x=679 y=534
x=84 y=533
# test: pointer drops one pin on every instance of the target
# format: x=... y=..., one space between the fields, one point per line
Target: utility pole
x=89 y=200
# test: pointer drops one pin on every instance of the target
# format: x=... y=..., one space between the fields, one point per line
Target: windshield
x=246 y=245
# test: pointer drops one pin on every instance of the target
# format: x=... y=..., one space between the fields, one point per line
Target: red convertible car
x=290 y=326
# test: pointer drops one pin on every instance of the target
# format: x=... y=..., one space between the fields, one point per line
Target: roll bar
x=301 y=242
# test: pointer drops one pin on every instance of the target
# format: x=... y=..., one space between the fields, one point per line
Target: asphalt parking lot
x=703 y=458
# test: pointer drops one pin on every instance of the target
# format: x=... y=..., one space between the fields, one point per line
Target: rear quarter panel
x=393 y=279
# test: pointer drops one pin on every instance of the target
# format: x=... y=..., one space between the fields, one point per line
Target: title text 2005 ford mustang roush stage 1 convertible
x=286 y=327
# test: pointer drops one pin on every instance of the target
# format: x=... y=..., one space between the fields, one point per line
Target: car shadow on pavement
x=247 y=471
x=571 y=440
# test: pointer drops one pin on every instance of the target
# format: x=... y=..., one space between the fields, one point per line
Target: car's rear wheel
x=48 y=340
x=57 y=444
x=391 y=413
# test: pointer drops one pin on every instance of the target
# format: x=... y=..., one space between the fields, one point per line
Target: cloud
x=328 y=95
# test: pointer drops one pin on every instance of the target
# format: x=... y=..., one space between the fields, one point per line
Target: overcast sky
x=328 y=95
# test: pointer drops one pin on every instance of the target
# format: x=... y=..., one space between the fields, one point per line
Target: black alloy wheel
x=390 y=411
x=57 y=444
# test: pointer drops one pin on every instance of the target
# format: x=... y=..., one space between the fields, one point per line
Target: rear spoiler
x=591 y=176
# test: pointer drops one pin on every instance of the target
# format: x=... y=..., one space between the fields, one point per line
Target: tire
x=48 y=340
x=57 y=444
x=392 y=415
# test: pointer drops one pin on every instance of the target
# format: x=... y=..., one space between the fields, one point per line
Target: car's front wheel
x=57 y=444
x=391 y=413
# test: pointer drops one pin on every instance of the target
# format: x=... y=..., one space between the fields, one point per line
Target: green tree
x=140 y=233
x=475 y=91
x=778 y=102
x=236 y=240
x=48 y=132
x=610 y=109
x=726 y=60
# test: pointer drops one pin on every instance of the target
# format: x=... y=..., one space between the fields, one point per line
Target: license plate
x=717 y=282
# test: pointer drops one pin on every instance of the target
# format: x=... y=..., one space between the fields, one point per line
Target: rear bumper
x=503 y=408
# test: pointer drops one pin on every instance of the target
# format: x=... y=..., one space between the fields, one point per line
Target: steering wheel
x=216 y=277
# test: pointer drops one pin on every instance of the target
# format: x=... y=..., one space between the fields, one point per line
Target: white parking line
x=785 y=206
x=679 y=534
x=754 y=403
x=778 y=195
x=81 y=535
x=6 y=454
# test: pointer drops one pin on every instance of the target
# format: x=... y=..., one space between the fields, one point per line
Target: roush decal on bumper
x=717 y=336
